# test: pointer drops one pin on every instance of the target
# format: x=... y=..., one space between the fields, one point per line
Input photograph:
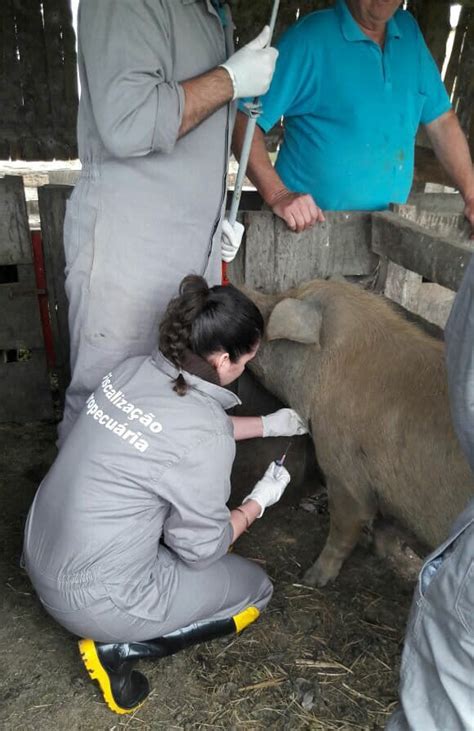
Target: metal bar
x=273 y=19
x=244 y=158
x=247 y=143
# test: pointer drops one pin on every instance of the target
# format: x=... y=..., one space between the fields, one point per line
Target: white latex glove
x=251 y=67
x=283 y=423
x=231 y=239
x=270 y=488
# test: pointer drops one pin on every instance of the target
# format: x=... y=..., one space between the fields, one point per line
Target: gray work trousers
x=219 y=591
x=437 y=673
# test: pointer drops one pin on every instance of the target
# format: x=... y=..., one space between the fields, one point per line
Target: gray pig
x=373 y=388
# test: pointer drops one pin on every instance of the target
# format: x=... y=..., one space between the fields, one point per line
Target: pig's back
x=381 y=415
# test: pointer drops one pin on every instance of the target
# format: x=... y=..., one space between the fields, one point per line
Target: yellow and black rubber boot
x=125 y=689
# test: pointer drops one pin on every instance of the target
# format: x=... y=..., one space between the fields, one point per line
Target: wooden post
x=25 y=393
x=52 y=201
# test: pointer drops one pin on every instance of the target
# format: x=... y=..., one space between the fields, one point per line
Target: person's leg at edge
x=436 y=677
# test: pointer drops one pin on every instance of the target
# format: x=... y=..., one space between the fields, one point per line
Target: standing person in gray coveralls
x=155 y=121
x=437 y=672
x=127 y=540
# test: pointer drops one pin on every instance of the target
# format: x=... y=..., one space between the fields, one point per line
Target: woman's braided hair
x=207 y=320
x=177 y=324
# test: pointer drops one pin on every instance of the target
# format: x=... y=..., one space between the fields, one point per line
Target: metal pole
x=273 y=19
x=249 y=132
x=244 y=158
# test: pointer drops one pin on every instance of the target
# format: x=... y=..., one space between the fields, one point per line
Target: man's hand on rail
x=298 y=210
x=469 y=213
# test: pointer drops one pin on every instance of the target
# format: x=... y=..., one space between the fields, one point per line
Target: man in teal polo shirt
x=353 y=84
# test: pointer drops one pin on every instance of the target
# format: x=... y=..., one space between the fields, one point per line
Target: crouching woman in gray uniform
x=127 y=540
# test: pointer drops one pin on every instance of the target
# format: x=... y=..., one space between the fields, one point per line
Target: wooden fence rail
x=435 y=256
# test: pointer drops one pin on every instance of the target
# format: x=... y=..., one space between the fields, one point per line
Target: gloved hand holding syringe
x=266 y=492
x=271 y=487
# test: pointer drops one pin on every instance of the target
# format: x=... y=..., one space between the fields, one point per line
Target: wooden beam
x=434 y=256
x=15 y=244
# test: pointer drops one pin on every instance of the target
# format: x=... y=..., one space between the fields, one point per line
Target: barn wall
x=38 y=81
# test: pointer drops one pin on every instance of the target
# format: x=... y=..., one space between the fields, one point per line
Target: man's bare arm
x=452 y=150
x=248 y=72
x=260 y=169
x=203 y=96
x=298 y=210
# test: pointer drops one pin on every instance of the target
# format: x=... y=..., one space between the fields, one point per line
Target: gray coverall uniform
x=140 y=464
x=437 y=673
x=147 y=208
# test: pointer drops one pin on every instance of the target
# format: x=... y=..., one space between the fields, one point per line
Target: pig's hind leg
x=348 y=515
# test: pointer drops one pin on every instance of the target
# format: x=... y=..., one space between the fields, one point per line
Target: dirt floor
x=317 y=659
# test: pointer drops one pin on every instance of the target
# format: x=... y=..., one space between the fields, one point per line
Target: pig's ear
x=296 y=320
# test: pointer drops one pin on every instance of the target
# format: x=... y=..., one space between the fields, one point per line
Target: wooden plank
x=435 y=202
x=434 y=303
x=54 y=53
x=32 y=66
x=38 y=74
x=71 y=92
x=463 y=101
x=435 y=26
x=10 y=87
x=25 y=393
x=453 y=64
x=52 y=201
x=440 y=212
x=20 y=325
x=258 y=253
x=276 y=258
x=24 y=386
x=425 y=303
x=435 y=257
x=61 y=58
x=15 y=244
x=402 y=286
